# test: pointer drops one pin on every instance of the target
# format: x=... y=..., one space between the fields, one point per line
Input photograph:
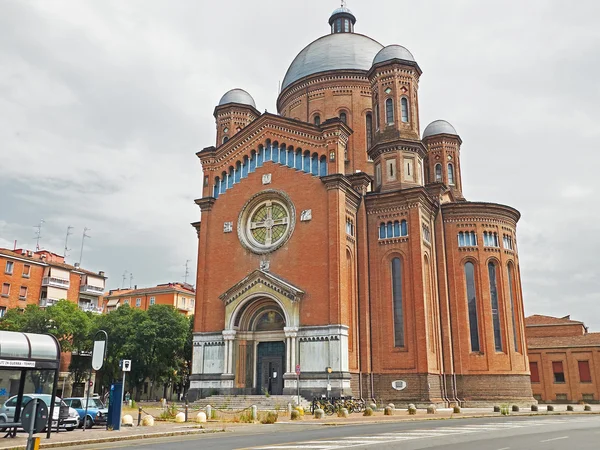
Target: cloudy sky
x=103 y=105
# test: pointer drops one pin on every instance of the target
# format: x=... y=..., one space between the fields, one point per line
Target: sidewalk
x=165 y=429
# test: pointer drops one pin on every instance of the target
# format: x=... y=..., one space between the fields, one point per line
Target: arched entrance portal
x=261 y=362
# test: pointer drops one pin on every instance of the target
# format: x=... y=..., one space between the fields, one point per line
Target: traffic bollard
x=254 y=413
x=139 y=415
x=208 y=412
x=186 y=411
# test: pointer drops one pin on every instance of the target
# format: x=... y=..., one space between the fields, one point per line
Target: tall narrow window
x=585 y=375
x=535 y=374
x=389 y=111
x=376 y=113
x=397 y=300
x=472 y=305
x=559 y=373
x=382 y=230
x=450 y=173
x=317 y=120
x=403 y=228
x=404 y=107
x=369 y=125
x=225 y=139
x=343 y=117
x=396 y=229
x=438 y=173
x=495 y=312
x=512 y=305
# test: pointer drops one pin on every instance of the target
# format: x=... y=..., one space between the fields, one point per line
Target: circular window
x=266 y=222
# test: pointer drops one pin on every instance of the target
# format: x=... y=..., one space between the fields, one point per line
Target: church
x=337 y=253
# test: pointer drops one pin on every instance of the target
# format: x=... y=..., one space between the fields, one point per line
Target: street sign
x=98 y=354
x=38 y=419
x=91 y=383
x=399 y=385
x=126 y=365
x=297 y=369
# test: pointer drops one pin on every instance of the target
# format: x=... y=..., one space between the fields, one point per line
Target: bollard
x=186 y=411
x=208 y=412
x=254 y=413
x=139 y=416
x=289 y=409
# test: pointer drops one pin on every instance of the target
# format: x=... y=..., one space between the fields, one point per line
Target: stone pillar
x=291 y=334
x=228 y=337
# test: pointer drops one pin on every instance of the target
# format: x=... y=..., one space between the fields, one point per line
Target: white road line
x=555 y=439
x=504 y=448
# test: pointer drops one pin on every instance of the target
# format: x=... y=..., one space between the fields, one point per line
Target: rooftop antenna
x=38 y=235
x=69 y=233
x=124 y=276
x=187 y=271
x=85 y=235
x=130 y=279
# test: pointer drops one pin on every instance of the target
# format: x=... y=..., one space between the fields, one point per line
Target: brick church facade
x=335 y=240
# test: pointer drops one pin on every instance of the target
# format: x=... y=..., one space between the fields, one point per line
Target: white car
x=7 y=411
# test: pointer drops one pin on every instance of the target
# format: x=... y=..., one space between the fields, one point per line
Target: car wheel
x=2 y=420
x=89 y=423
x=70 y=429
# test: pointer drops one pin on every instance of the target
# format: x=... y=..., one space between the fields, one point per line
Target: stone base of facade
x=489 y=390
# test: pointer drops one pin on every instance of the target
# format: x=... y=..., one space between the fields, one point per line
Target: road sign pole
x=123 y=389
x=98 y=355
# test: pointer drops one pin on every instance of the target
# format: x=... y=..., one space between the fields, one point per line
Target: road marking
x=555 y=439
x=504 y=448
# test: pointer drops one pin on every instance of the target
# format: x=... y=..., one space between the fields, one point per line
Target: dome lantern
x=342 y=20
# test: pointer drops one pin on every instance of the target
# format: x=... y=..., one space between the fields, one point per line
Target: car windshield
x=93 y=403
x=46 y=399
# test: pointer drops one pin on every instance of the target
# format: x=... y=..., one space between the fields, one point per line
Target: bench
x=11 y=427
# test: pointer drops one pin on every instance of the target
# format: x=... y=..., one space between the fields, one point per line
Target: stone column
x=291 y=334
x=228 y=336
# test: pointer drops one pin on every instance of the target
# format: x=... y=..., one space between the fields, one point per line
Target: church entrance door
x=271 y=356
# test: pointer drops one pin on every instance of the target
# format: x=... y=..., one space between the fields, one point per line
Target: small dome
x=439 y=127
x=393 y=52
x=237 y=96
x=342 y=10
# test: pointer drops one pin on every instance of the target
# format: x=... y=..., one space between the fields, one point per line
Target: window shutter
x=535 y=375
x=557 y=367
x=584 y=371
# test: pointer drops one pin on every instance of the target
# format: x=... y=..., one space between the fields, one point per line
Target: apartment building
x=179 y=295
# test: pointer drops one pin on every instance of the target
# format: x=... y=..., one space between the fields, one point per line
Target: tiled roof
x=585 y=340
x=37 y=260
x=160 y=289
x=538 y=319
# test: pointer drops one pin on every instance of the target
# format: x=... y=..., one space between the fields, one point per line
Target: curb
x=116 y=438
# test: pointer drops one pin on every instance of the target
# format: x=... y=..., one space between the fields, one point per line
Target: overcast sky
x=103 y=105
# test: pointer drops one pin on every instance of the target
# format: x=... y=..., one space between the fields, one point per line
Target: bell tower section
x=235 y=110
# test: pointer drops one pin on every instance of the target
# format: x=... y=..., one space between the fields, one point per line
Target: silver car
x=7 y=411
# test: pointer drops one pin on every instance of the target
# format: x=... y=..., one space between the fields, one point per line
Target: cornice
x=397 y=144
x=205 y=203
x=265 y=278
x=479 y=212
x=400 y=199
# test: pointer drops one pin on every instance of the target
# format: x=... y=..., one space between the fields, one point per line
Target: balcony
x=55 y=282
x=47 y=302
x=89 y=289
x=91 y=307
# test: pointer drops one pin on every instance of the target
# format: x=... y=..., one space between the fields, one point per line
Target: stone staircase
x=263 y=403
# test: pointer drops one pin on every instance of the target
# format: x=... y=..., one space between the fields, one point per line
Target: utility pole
x=38 y=235
x=130 y=279
x=85 y=235
x=69 y=233
x=123 y=283
x=187 y=271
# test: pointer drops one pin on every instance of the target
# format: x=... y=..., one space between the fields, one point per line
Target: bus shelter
x=29 y=363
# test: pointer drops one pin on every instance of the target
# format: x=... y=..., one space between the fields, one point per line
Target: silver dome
x=393 y=52
x=237 y=96
x=439 y=127
x=333 y=52
x=342 y=10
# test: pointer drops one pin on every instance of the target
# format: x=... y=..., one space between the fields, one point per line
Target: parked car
x=7 y=411
x=96 y=412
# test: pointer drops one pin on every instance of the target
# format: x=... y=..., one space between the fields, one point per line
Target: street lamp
x=329 y=370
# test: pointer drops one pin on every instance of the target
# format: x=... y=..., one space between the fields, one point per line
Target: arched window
x=282 y=154
x=397 y=302
x=223 y=184
x=317 y=120
x=369 y=125
x=404 y=109
x=495 y=312
x=267 y=152
x=389 y=232
x=346 y=25
x=396 y=229
x=230 y=178
x=314 y=164
x=403 y=228
x=290 y=157
x=511 y=290
x=237 y=172
x=376 y=112
x=260 y=157
x=343 y=117
x=298 y=163
x=382 y=230
x=450 y=173
x=438 y=172
x=389 y=111
x=472 y=305
x=245 y=167
x=323 y=166
x=275 y=152
x=252 y=161
x=216 y=187
x=306 y=162
x=461 y=239
x=225 y=139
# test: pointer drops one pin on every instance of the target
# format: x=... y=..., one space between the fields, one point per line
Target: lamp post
x=328 y=384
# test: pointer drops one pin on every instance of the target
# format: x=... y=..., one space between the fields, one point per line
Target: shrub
x=246 y=416
x=269 y=418
x=300 y=410
x=570 y=408
x=368 y=411
x=504 y=410
x=388 y=411
x=295 y=415
x=456 y=409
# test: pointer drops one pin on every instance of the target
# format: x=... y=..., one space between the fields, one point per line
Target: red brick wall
x=555 y=330
x=16 y=280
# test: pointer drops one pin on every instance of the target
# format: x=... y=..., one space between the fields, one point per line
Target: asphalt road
x=577 y=432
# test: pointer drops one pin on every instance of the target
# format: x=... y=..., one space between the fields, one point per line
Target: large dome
x=439 y=127
x=333 y=52
x=237 y=96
